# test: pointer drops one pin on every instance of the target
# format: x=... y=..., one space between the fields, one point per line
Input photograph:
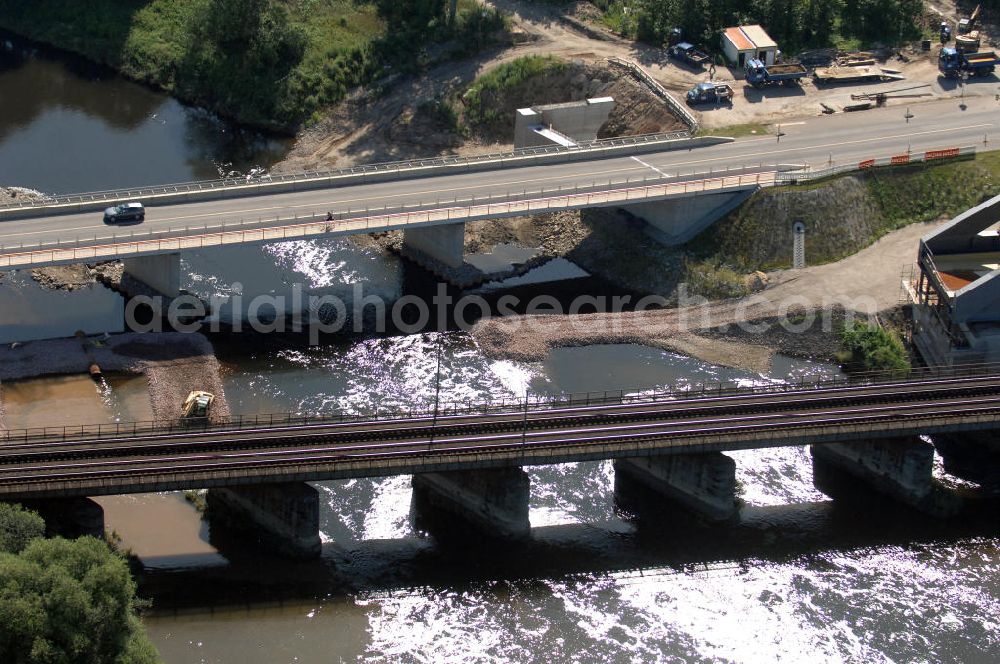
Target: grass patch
x=267 y=63
x=714 y=280
x=843 y=214
x=736 y=131
x=482 y=97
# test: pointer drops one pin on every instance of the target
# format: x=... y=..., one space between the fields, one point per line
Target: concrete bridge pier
x=444 y=244
x=899 y=468
x=161 y=272
x=283 y=518
x=69 y=517
x=704 y=484
x=973 y=456
x=493 y=502
x=677 y=220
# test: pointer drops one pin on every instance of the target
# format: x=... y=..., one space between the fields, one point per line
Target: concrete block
x=444 y=243
x=284 y=517
x=493 y=502
x=161 y=272
x=900 y=468
x=702 y=483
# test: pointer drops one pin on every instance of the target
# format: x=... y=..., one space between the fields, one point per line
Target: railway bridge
x=468 y=462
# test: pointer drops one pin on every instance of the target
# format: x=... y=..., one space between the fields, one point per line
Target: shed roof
x=739 y=40
x=758 y=36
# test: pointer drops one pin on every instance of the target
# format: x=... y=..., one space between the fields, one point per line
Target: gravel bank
x=174 y=364
x=868 y=281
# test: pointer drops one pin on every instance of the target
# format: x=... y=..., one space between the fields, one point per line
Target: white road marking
x=650 y=166
x=324 y=205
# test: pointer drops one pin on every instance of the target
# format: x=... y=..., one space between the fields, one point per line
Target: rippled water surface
x=799 y=579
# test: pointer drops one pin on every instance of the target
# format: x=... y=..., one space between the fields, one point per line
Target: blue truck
x=953 y=63
x=686 y=52
x=760 y=75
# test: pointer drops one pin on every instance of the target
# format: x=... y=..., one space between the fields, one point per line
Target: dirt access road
x=365 y=130
x=869 y=282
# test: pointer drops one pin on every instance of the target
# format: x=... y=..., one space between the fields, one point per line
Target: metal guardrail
x=400 y=167
x=636 y=395
x=792 y=177
x=315 y=223
x=643 y=76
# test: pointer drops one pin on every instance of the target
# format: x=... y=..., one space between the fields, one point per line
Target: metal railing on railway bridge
x=527 y=404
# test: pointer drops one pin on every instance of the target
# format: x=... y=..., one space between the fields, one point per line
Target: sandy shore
x=174 y=364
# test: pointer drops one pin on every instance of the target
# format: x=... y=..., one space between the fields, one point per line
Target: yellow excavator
x=197 y=405
x=968 y=37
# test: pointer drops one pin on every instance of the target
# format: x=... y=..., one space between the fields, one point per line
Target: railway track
x=665 y=426
x=266 y=438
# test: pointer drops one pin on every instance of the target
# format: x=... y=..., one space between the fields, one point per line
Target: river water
x=799 y=579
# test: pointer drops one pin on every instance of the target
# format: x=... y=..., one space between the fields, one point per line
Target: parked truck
x=686 y=52
x=710 y=92
x=760 y=75
x=954 y=63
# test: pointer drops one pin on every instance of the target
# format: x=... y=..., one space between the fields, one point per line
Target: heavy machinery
x=953 y=63
x=761 y=75
x=197 y=405
x=968 y=38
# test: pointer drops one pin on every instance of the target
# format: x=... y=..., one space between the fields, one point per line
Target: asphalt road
x=818 y=142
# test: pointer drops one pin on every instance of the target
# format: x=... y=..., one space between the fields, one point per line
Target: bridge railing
x=237 y=231
x=394 y=167
x=431 y=412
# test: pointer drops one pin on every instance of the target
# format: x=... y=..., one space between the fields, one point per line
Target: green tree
x=18 y=526
x=873 y=348
x=68 y=602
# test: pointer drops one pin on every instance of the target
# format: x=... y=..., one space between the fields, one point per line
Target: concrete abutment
x=284 y=517
x=677 y=220
x=899 y=468
x=704 y=484
x=493 y=502
x=161 y=272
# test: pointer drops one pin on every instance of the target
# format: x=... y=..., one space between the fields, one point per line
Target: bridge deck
x=178 y=460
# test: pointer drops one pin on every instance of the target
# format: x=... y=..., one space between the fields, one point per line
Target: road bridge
x=471 y=461
x=432 y=200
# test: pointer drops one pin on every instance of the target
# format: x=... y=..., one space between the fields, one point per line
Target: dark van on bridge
x=125 y=212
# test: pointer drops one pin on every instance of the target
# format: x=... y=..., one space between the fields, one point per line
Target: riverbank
x=173 y=363
x=802 y=302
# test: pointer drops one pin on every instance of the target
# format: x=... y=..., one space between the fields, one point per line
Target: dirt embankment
x=174 y=364
x=423 y=117
x=780 y=318
x=74 y=277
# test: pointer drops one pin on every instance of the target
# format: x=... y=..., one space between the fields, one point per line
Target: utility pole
x=437 y=392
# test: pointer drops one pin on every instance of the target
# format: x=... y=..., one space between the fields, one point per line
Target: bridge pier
x=702 y=483
x=161 y=272
x=444 y=243
x=72 y=517
x=493 y=502
x=900 y=468
x=973 y=456
x=283 y=517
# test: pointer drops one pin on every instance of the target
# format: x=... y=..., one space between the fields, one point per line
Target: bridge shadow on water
x=455 y=559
